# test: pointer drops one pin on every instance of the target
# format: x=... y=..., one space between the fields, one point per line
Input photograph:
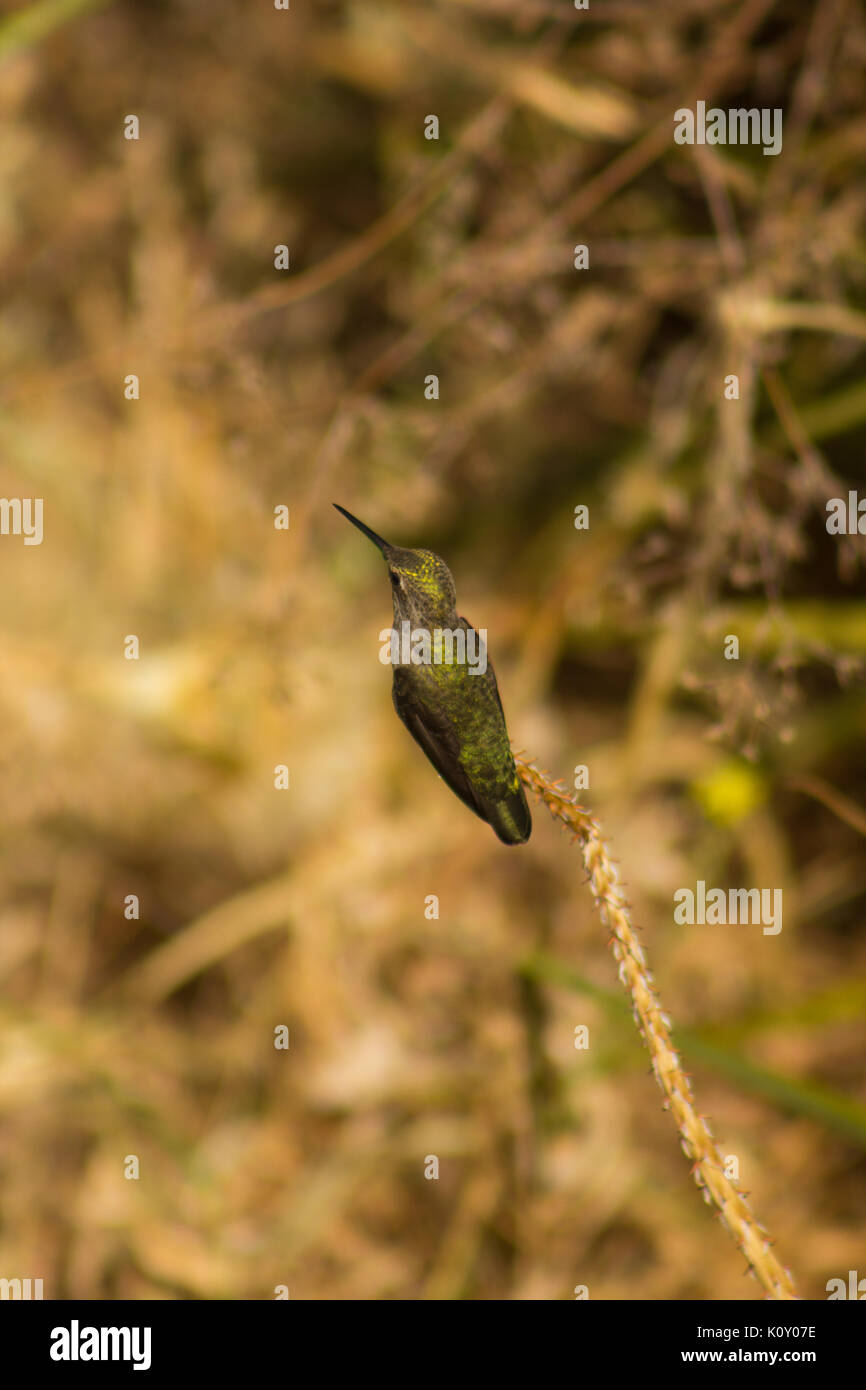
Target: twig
x=695 y=1135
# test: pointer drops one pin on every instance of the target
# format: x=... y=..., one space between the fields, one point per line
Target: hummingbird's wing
x=436 y=737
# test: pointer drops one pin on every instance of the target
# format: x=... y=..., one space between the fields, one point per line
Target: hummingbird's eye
x=395 y=578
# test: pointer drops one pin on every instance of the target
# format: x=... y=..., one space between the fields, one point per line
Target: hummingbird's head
x=421 y=584
x=421 y=587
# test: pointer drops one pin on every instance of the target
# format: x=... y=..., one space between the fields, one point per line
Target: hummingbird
x=451 y=709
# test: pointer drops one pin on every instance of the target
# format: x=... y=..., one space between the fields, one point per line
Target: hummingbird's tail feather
x=511 y=818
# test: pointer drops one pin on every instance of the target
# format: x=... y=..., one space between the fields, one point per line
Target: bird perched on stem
x=445 y=690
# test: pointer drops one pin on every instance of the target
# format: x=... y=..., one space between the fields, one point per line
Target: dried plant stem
x=695 y=1136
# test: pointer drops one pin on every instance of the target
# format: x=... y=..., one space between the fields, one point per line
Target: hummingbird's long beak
x=371 y=535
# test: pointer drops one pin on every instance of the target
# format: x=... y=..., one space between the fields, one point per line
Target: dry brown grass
x=696 y=1138
x=412 y=1036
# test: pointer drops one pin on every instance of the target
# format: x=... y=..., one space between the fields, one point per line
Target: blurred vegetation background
x=558 y=387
